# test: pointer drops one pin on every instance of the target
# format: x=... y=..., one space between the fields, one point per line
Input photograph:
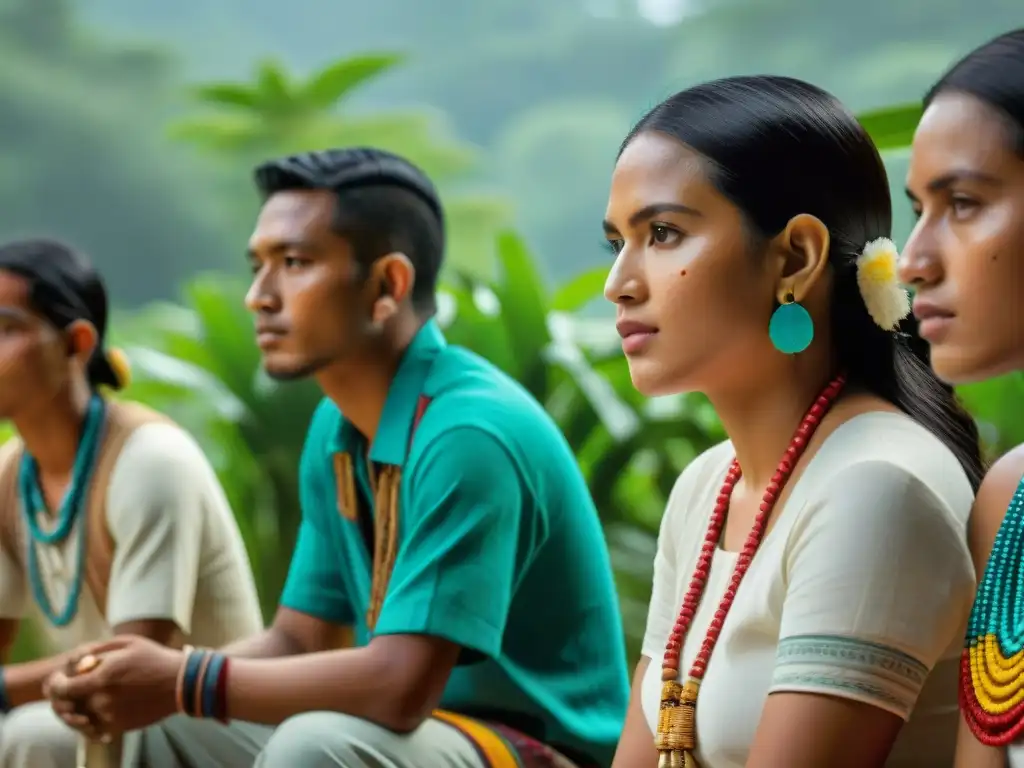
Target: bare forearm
x=350 y=681
x=636 y=745
x=971 y=753
x=24 y=682
x=271 y=643
x=292 y=633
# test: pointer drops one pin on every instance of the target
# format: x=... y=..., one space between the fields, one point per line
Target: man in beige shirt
x=130 y=531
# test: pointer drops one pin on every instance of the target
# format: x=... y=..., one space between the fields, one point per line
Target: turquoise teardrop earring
x=791 y=328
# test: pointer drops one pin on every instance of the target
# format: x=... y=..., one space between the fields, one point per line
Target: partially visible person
x=111 y=519
x=813 y=580
x=445 y=521
x=965 y=261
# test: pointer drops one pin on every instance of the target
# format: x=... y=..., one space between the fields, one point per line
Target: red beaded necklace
x=676 y=738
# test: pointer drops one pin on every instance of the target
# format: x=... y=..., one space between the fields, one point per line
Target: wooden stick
x=93 y=754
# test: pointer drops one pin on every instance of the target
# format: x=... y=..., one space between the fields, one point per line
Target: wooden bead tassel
x=677 y=725
x=671 y=695
x=677 y=759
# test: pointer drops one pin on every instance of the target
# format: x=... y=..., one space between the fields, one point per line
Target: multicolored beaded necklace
x=992 y=663
x=32 y=502
x=676 y=737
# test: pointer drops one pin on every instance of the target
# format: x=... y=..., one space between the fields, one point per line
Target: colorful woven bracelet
x=212 y=699
x=193 y=665
x=202 y=684
x=222 y=692
x=179 y=687
x=197 y=689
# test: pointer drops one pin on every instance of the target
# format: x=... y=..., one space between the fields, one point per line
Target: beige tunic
x=178 y=554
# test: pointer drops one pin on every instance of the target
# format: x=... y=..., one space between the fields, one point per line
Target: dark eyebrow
x=281 y=246
x=14 y=313
x=650 y=211
x=946 y=180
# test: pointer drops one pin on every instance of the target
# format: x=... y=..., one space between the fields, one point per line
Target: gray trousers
x=33 y=737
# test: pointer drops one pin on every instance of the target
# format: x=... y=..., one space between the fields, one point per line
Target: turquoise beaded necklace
x=33 y=502
x=990 y=671
x=999 y=603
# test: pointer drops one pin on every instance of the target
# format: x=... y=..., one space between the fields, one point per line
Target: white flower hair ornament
x=887 y=301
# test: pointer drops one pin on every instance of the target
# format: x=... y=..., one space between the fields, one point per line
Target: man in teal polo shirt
x=445 y=521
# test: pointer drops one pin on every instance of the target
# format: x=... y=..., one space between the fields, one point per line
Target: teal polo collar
x=392 y=440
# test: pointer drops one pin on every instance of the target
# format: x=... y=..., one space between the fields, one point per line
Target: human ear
x=802 y=250
x=395 y=277
x=82 y=339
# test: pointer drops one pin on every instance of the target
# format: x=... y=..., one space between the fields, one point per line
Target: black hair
x=64 y=287
x=777 y=147
x=384 y=204
x=994 y=74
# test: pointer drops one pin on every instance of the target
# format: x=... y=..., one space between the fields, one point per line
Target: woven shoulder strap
x=10 y=512
x=386 y=521
x=122 y=420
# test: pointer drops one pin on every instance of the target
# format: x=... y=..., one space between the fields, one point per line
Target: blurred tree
x=493 y=65
x=575 y=143
x=892 y=128
x=996 y=405
x=83 y=162
x=277 y=113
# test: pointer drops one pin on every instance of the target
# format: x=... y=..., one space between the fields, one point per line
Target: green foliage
x=278 y=114
x=996 y=405
x=892 y=127
x=139 y=208
x=575 y=142
x=547 y=90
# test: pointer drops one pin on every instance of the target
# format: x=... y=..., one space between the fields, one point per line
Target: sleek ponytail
x=896 y=367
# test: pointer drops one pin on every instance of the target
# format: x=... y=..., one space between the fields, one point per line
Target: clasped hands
x=120 y=685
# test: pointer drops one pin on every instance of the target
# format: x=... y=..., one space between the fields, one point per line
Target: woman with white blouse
x=813 y=579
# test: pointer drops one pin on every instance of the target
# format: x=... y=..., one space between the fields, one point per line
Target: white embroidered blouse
x=861 y=589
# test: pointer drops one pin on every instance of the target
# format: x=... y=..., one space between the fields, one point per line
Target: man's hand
x=117 y=686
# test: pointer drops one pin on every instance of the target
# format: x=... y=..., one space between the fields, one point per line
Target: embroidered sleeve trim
x=849 y=668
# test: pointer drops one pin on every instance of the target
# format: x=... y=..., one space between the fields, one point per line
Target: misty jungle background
x=129 y=129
